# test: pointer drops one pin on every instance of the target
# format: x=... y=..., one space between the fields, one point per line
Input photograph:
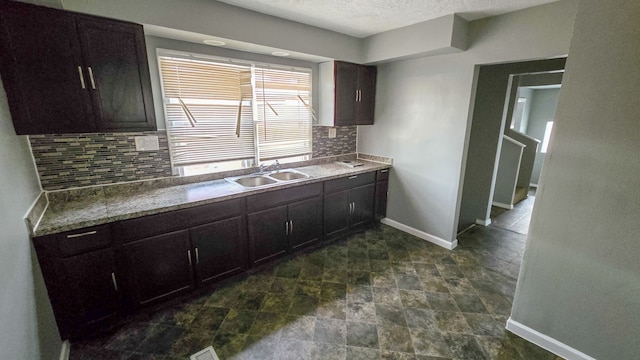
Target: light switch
x=332 y=133
x=147 y=143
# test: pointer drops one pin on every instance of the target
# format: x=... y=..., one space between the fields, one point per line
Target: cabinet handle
x=197 y=256
x=81 y=77
x=359 y=95
x=290 y=226
x=354 y=208
x=352 y=177
x=113 y=280
x=71 y=236
x=384 y=171
x=189 y=256
x=356 y=95
x=286 y=228
x=93 y=83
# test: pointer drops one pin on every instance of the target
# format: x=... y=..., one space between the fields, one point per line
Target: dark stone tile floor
x=381 y=294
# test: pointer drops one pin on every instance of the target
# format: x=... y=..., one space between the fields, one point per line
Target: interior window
x=225 y=114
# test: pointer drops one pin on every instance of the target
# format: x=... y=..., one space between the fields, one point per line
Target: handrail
x=505 y=137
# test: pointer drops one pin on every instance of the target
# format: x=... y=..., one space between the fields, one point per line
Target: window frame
x=180 y=169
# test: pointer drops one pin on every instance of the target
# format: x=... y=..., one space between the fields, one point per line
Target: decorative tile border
x=76 y=160
x=79 y=160
x=343 y=143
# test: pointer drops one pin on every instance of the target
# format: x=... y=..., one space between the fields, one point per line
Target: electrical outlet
x=147 y=143
x=332 y=133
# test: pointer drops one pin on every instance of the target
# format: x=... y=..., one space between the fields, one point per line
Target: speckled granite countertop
x=103 y=204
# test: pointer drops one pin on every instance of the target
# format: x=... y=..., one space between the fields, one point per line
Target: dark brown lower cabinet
x=276 y=231
x=92 y=281
x=220 y=249
x=362 y=208
x=93 y=274
x=267 y=234
x=159 y=267
x=336 y=213
x=382 y=187
x=305 y=222
x=347 y=210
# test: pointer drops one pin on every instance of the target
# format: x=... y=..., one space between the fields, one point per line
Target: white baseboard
x=421 y=234
x=502 y=205
x=546 y=342
x=65 y=350
x=485 y=222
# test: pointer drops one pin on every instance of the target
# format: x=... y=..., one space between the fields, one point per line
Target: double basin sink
x=266 y=179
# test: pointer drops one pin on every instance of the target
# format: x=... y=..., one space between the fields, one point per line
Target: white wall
x=423 y=107
x=27 y=326
x=580 y=277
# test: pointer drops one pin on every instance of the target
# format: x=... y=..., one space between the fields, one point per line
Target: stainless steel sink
x=267 y=179
x=253 y=181
x=286 y=175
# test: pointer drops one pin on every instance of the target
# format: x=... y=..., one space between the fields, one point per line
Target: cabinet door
x=305 y=219
x=93 y=287
x=42 y=70
x=336 y=213
x=346 y=81
x=267 y=234
x=116 y=60
x=220 y=249
x=159 y=266
x=367 y=98
x=382 y=187
x=362 y=199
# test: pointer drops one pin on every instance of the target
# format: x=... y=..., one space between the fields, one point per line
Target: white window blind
x=223 y=110
x=284 y=115
x=208 y=110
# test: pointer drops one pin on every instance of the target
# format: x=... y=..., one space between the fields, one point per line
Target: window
x=547 y=136
x=227 y=114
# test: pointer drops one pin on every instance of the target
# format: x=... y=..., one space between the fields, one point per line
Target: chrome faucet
x=263 y=167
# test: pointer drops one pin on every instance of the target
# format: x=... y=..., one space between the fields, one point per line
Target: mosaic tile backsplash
x=75 y=160
x=343 y=143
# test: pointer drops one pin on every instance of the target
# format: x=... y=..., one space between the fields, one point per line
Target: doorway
x=497 y=91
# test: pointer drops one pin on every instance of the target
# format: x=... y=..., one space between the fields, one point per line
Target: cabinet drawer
x=216 y=211
x=142 y=227
x=82 y=240
x=382 y=174
x=278 y=197
x=349 y=182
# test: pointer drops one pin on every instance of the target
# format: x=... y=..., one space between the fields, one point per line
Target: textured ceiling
x=362 y=18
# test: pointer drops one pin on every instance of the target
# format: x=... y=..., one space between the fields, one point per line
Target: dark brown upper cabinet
x=347 y=94
x=72 y=73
